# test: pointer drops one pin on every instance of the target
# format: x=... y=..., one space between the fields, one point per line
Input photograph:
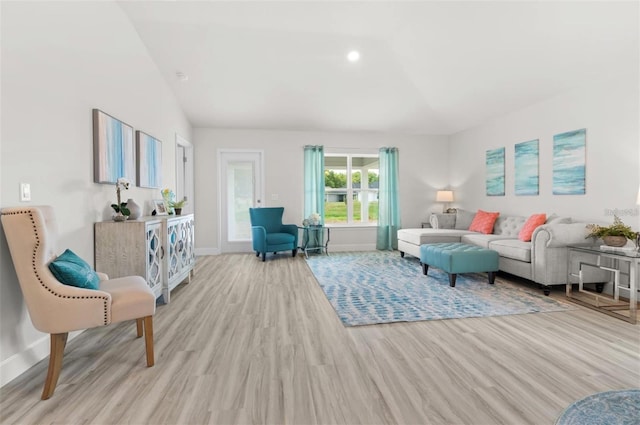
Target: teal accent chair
x=269 y=234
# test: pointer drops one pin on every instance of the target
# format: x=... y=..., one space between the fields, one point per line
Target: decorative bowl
x=615 y=240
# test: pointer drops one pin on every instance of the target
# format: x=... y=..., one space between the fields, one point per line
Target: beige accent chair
x=58 y=309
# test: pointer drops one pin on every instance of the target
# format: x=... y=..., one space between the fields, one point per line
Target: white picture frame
x=159 y=207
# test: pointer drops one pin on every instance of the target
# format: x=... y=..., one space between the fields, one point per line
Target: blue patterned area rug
x=380 y=287
x=620 y=407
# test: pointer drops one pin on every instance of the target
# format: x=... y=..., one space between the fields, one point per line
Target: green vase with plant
x=178 y=205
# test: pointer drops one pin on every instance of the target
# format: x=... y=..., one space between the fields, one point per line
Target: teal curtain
x=314 y=181
x=388 y=200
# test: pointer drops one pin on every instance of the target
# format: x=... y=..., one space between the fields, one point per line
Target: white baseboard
x=20 y=362
x=207 y=251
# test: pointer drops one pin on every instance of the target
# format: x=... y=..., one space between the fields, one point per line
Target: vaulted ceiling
x=430 y=67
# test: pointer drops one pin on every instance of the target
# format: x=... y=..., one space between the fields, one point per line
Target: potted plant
x=122 y=212
x=614 y=235
x=177 y=205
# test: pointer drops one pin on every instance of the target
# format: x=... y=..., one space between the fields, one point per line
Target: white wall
x=610 y=113
x=60 y=60
x=423 y=170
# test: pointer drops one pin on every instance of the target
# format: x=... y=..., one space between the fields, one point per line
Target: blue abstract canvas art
x=495 y=172
x=149 y=161
x=526 y=168
x=114 y=151
x=569 y=156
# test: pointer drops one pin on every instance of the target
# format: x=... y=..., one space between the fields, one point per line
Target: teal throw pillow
x=72 y=270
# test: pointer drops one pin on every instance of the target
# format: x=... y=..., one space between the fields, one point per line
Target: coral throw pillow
x=530 y=225
x=483 y=222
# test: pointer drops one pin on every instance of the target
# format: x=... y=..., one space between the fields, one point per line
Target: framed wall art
x=149 y=155
x=569 y=168
x=495 y=172
x=114 y=152
x=526 y=169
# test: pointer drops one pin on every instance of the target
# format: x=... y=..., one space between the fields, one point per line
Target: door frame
x=189 y=176
x=258 y=191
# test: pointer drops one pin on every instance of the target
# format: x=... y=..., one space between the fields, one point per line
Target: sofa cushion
x=279 y=238
x=483 y=222
x=479 y=239
x=512 y=248
x=464 y=219
x=423 y=236
x=509 y=226
x=530 y=225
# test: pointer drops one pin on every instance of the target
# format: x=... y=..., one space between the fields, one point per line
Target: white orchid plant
x=121 y=207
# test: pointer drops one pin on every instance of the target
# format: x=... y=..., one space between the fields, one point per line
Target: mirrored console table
x=160 y=248
x=620 y=263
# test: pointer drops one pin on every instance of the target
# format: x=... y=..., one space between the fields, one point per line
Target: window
x=351 y=188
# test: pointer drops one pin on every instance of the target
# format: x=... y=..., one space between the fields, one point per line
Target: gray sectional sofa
x=543 y=260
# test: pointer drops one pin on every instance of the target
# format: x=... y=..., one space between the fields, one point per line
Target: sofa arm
x=442 y=221
x=259 y=238
x=549 y=253
x=561 y=235
x=293 y=230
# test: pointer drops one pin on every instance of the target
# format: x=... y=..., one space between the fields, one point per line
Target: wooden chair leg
x=148 y=340
x=58 y=342
x=139 y=327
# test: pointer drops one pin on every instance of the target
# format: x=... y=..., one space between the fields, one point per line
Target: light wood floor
x=252 y=342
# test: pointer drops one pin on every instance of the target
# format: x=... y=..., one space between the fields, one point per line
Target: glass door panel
x=240 y=177
x=241 y=189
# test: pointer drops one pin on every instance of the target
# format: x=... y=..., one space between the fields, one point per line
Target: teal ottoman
x=456 y=258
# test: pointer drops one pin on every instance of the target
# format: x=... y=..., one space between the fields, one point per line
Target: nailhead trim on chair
x=35 y=270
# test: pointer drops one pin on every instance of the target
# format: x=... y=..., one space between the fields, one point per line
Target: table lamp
x=445 y=196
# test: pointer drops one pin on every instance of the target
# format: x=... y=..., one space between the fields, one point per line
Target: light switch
x=25 y=192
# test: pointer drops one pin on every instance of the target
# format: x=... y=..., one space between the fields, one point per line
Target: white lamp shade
x=444 y=196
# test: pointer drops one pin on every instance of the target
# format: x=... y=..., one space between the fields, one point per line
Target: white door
x=240 y=189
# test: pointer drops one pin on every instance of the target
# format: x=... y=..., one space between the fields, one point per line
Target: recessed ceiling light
x=353 y=56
